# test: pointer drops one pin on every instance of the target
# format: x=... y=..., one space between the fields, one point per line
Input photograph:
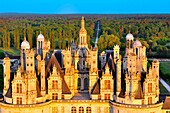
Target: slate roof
x=166 y=104
x=96 y=88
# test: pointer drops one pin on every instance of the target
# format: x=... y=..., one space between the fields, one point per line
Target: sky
x=86 y=6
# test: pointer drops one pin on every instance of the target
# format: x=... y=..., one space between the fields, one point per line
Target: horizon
x=85 y=7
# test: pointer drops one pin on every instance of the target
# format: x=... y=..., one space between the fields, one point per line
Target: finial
x=82 y=22
x=129 y=31
x=40 y=32
x=25 y=39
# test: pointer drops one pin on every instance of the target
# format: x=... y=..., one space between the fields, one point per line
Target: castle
x=78 y=80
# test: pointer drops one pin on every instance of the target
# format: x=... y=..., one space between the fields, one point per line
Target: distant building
x=78 y=80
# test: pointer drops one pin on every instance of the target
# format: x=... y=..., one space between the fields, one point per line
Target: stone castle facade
x=78 y=80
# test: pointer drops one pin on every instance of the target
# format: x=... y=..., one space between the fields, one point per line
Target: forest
x=152 y=30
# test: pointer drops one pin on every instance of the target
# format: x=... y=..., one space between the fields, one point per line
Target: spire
x=82 y=22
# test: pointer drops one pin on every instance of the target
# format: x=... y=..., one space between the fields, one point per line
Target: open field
x=11 y=51
x=165 y=71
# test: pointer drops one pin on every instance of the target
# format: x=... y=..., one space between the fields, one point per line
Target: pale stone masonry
x=78 y=80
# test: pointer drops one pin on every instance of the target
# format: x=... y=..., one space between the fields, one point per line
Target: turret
x=6 y=74
x=30 y=65
x=24 y=47
x=40 y=43
x=118 y=77
x=83 y=35
x=116 y=52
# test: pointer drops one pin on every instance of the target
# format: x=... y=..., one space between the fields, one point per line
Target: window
x=107 y=96
x=150 y=88
x=81 y=110
x=19 y=88
x=73 y=109
x=167 y=111
x=107 y=84
x=19 y=100
x=99 y=97
x=54 y=96
x=62 y=97
x=88 y=110
x=54 y=84
x=143 y=102
x=149 y=100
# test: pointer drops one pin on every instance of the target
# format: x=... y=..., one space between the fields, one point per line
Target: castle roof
x=40 y=37
x=96 y=89
x=166 y=103
x=129 y=36
x=137 y=43
x=25 y=44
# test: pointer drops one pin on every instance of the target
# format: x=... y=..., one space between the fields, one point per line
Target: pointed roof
x=96 y=88
x=139 y=92
x=110 y=63
x=38 y=89
x=82 y=30
x=166 y=103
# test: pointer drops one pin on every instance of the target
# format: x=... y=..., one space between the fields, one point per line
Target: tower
x=24 y=47
x=137 y=50
x=43 y=88
x=83 y=35
x=129 y=49
x=30 y=65
x=6 y=74
x=155 y=73
x=118 y=77
x=93 y=68
x=40 y=44
x=116 y=52
x=144 y=58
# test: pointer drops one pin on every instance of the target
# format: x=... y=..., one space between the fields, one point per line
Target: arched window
x=54 y=84
x=149 y=87
x=81 y=110
x=73 y=109
x=88 y=110
x=107 y=84
x=19 y=88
